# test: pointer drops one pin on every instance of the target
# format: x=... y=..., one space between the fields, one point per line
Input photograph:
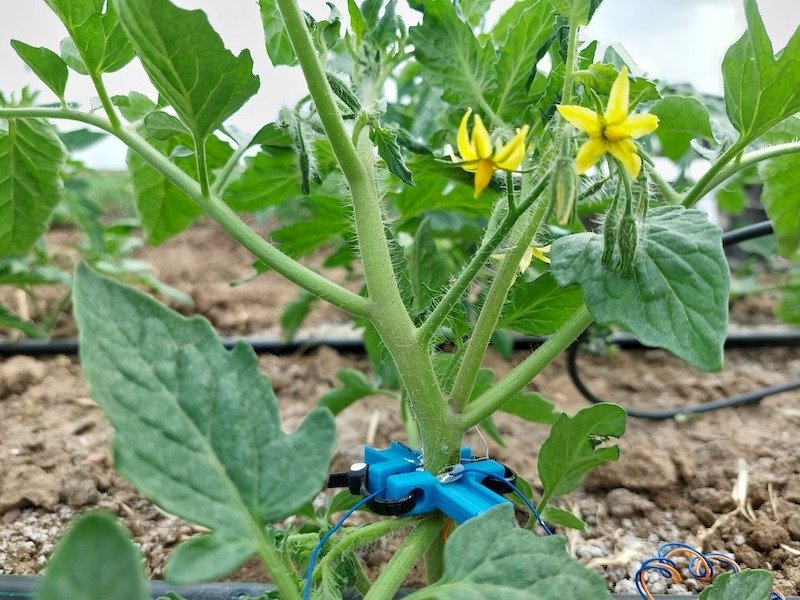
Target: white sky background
x=678 y=41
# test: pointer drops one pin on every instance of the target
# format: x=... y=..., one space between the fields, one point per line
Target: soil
x=674 y=480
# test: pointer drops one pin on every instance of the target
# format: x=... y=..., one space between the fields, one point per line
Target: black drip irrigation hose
x=736 y=340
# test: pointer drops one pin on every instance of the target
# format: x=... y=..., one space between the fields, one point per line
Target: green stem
x=516 y=380
x=752 y=158
x=360 y=536
x=449 y=300
x=404 y=559
x=202 y=165
x=492 y=306
x=277 y=570
x=214 y=206
x=105 y=100
x=702 y=186
x=569 y=64
x=440 y=438
x=434 y=560
x=669 y=193
x=221 y=182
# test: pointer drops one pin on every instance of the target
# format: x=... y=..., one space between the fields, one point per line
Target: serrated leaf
x=391 y=153
x=164 y=209
x=571 y=450
x=677 y=297
x=326 y=219
x=531 y=406
x=279 y=46
x=295 y=312
x=451 y=57
x=428 y=269
x=48 y=66
x=680 y=120
x=564 y=518
x=8 y=320
x=750 y=584
x=600 y=77
x=781 y=199
x=188 y=63
x=355 y=386
x=579 y=12
x=81 y=139
x=525 y=43
x=760 y=90
x=357 y=22
x=98 y=43
x=441 y=192
x=162 y=126
x=273 y=134
x=539 y=307
x=489 y=557
x=474 y=11
x=95 y=559
x=134 y=107
x=31 y=160
x=197 y=426
x=271 y=177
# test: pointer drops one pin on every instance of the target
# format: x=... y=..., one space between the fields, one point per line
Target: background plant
x=370 y=180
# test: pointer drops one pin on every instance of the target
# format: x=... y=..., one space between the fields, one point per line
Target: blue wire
x=313 y=558
x=527 y=502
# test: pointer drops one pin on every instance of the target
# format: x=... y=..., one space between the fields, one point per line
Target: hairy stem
x=492 y=306
x=440 y=437
x=669 y=193
x=277 y=570
x=451 y=297
x=221 y=182
x=404 y=559
x=569 y=64
x=202 y=166
x=214 y=207
x=515 y=381
x=749 y=159
x=702 y=186
x=360 y=536
x=105 y=100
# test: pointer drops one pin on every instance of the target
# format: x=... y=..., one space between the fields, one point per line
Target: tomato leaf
x=197 y=426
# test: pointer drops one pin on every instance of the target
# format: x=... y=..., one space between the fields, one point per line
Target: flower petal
x=617 y=109
x=510 y=156
x=462 y=141
x=635 y=126
x=525 y=261
x=483 y=175
x=541 y=253
x=590 y=153
x=626 y=153
x=583 y=118
x=481 y=142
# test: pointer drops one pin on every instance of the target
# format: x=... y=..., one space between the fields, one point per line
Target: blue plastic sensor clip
x=461 y=493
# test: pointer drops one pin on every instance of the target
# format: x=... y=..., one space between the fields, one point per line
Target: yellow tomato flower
x=537 y=252
x=612 y=132
x=479 y=156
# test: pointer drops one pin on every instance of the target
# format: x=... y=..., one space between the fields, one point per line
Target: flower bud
x=563 y=185
x=627 y=241
x=610 y=230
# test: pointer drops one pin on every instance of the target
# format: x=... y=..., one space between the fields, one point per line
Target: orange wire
x=693 y=553
x=448 y=524
x=675 y=576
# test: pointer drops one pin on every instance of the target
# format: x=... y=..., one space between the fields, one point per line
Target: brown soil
x=673 y=482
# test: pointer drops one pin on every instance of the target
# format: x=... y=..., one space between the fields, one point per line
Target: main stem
x=437 y=423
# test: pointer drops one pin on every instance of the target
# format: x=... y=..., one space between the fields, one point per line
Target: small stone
x=792 y=490
x=19 y=373
x=11 y=516
x=793 y=527
x=624 y=503
x=29 y=485
x=767 y=535
x=80 y=491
